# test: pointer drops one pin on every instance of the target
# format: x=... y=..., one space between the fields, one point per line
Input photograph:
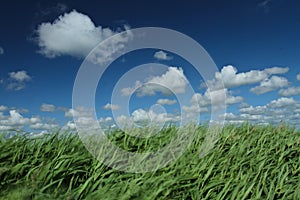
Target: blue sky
x=254 y=44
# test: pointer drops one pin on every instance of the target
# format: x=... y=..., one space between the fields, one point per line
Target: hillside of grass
x=247 y=162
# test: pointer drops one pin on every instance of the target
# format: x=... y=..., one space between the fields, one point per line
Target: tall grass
x=247 y=162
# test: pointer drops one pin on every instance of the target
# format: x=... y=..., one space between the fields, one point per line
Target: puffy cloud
x=75 y=34
x=233 y=99
x=130 y=90
x=282 y=102
x=161 y=55
x=17 y=80
x=1 y=51
x=109 y=106
x=3 y=108
x=166 y=101
x=230 y=78
x=268 y=85
x=258 y=110
x=47 y=107
x=19 y=76
x=15 y=121
x=298 y=77
x=291 y=91
x=164 y=84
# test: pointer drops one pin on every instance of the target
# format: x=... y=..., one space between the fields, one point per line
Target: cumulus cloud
x=17 y=80
x=75 y=34
x=270 y=84
x=3 y=108
x=291 y=91
x=166 y=101
x=230 y=77
x=144 y=117
x=109 y=106
x=15 y=121
x=47 y=107
x=282 y=102
x=1 y=51
x=173 y=81
x=19 y=76
x=276 y=111
x=161 y=55
x=298 y=77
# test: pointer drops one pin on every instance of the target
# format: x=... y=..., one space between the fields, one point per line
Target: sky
x=45 y=44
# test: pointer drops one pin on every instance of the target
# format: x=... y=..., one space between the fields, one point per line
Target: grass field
x=247 y=162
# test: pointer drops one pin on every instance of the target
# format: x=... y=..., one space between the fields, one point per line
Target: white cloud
x=258 y=110
x=298 y=77
x=161 y=55
x=173 y=81
x=15 y=121
x=109 y=106
x=19 y=76
x=268 y=85
x=75 y=34
x=130 y=90
x=277 y=70
x=3 y=108
x=291 y=91
x=233 y=99
x=17 y=80
x=47 y=107
x=230 y=78
x=1 y=51
x=166 y=101
x=44 y=126
x=282 y=102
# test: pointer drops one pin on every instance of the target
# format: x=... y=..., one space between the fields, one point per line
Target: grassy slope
x=248 y=162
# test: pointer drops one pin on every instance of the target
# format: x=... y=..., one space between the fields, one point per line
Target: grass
x=247 y=162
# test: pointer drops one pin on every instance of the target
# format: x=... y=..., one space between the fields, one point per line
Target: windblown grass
x=247 y=162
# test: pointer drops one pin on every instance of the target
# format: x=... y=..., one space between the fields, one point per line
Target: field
x=247 y=162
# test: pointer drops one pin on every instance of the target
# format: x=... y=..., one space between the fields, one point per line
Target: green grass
x=247 y=162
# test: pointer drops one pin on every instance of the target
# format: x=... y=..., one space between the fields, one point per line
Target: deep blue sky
x=249 y=35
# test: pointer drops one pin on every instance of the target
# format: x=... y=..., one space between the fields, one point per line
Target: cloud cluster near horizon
x=281 y=109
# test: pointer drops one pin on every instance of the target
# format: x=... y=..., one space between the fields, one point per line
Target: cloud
x=282 y=102
x=164 y=84
x=161 y=55
x=3 y=108
x=276 y=111
x=268 y=85
x=298 y=77
x=44 y=126
x=166 y=101
x=230 y=78
x=15 y=121
x=233 y=100
x=109 y=106
x=1 y=51
x=291 y=91
x=19 y=76
x=277 y=70
x=47 y=107
x=141 y=116
x=17 y=80
x=75 y=34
